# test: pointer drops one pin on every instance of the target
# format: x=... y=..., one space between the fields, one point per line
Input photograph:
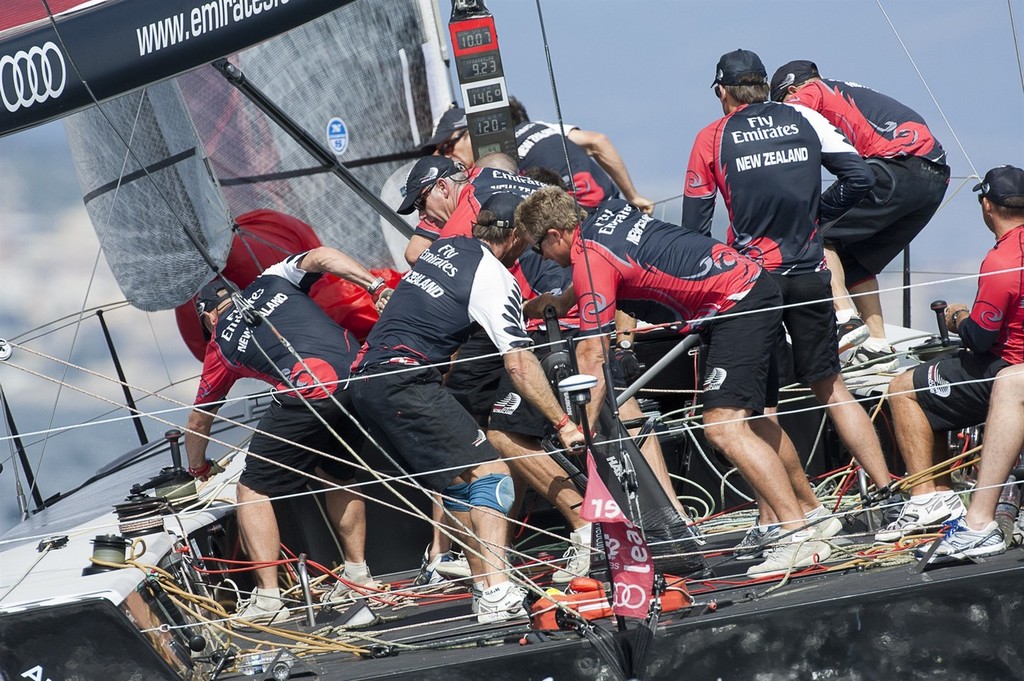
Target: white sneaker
x=502 y=602
x=851 y=333
x=866 y=361
x=453 y=565
x=920 y=514
x=963 y=543
x=576 y=558
x=824 y=529
x=754 y=544
x=351 y=588
x=261 y=609
x=800 y=551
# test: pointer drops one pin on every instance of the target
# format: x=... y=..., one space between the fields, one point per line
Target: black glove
x=629 y=365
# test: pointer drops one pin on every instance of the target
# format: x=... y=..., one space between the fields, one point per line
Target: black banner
x=123 y=45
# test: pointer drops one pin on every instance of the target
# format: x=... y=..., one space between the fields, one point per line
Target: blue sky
x=640 y=72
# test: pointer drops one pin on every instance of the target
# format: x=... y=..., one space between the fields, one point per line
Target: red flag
x=629 y=559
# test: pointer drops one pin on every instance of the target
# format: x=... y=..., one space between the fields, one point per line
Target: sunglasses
x=537 y=246
x=718 y=91
x=446 y=147
x=420 y=204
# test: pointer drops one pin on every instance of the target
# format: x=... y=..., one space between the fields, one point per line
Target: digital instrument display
x=486 y=94
x=476 y=37
x=478 y=66
x=490 y=122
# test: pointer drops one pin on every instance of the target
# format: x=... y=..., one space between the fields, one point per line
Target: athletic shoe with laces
x=852 y=333
x=754 y=542
x=800 y=551
x=440 y=568
x=453 y=565
x=576 y=559
x=824 y=529
x=921 y=513
x=867 y=361
x=962 y=543
x=476 y=594
x=502 y=602
x=260 y=610
x=350 y=588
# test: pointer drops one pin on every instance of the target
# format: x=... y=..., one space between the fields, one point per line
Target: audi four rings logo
x=32 y=77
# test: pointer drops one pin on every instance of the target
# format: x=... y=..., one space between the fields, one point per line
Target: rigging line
x=1016 y=44
x=926 y=87
x=186 y=229
x=407 y=479
x=60 y=386
x=24 y=335
x=159 y=348
x=558 y=106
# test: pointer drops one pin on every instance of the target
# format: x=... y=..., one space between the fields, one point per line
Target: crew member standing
x=766 y=159
x=595 y=172
x=912 y=177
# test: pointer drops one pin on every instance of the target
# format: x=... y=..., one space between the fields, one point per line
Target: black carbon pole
x=318 y=151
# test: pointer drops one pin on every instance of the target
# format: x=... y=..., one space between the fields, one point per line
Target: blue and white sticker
x=337 y=136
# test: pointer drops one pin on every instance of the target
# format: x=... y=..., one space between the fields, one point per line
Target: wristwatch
x=624 y=344
x=956 y=319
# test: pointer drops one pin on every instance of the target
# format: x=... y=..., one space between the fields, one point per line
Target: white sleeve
x=496 y=304
x=289 y=269
x=558 y=128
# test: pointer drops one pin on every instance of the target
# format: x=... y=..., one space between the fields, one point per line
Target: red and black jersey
x=238 y=349
x=653 y=270
x=483 y=184
x=766 y=159
x=456 y=285
x=540 y=145
x=996 y=324
x=534 y=275
x=878 y=126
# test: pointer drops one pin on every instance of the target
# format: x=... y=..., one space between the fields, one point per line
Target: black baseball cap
x=211 y=295
x=792 y=73
x=738 y=63
x=453 y=119
x=426 y=172
x=1003 y=185
x=499 y=210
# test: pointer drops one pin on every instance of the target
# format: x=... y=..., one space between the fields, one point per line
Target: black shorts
x=474 y=383
x=954 y=392
x=413 y=417
x=908 y=191
x=740 y=348
x=810 y=319
x=298 y=423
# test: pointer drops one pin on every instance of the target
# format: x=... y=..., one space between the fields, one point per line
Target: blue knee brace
x=457 y=498
x=494 y=491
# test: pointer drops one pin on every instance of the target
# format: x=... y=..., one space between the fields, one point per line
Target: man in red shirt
x=662 y=273
x=949 y=394
x=911 y=180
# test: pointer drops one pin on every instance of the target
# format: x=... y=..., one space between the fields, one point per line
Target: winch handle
x=939 y=308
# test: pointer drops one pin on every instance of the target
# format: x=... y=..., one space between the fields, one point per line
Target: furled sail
x=366 y=80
